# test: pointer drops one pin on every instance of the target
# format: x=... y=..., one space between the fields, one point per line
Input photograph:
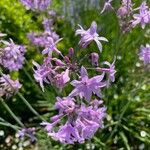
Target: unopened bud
x=94 y=58
x=67 y=60
x=71 y=52
x=58 y=62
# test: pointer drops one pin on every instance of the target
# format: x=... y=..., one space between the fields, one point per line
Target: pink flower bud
x=122 y=11
x=58 y=62
x=67 y=60
x=71 y=52
x=94 y=58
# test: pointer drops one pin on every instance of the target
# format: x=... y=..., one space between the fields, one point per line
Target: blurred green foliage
x=127 y=100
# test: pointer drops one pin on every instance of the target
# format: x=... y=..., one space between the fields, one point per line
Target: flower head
x=107 y=6
x=8 y=86
x=87 y=36
x=85 y=87
x=143 y=17
x=44 y=72
x=43 y=39
x=82 y=121
x=36 y=4
x=145 y=54
x=12 y=56
x=51 y=46
x=62 y=79
x=27 y=132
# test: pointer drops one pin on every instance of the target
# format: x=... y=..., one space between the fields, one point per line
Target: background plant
x=127 y=101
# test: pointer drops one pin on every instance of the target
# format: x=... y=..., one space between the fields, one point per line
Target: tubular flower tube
x=81 y=121
x=145 y=54
x=85 y=87
x=87 y=36
x=36 y=4
x=8 y=86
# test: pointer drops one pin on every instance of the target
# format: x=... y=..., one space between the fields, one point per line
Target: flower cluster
x=80 y=114
x=82 y=121
x=27 y=132
x=145 y=54
x=12 y=55
x=47 y=39
x=52 y=74
x=8 y=86
x=128 y=18
x=36 y=4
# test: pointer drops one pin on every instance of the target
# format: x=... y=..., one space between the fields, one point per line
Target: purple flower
x=87 y=36
x=36 y=4
x=8 y=86
x=145 y=54
x=47 y=24
x=27 y=132
x=50 y=47
x=85 y=87
x=65 y=105
x=44 y=72
x=43 y=39
x=66 y=134
x=143 y=17
x=62 y=79
x=12 y=56
x=107 y=6
x=58 y=62
x=81 y=121
x=110 y=71
x=125 y=9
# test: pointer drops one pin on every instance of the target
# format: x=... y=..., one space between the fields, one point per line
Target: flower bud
x=58 y=62
x=94 y=58
x=67 y=60
x=71 y=52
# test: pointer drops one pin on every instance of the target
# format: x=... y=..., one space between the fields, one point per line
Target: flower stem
x=24 y=100
x=11 y=113
x=30 y=107
x=9 y=125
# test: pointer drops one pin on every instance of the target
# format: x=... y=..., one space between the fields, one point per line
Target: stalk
x=11 y=113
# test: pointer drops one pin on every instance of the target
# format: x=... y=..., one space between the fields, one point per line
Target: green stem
x=29 y=106
x=24 y=100
x=33 y=81
x=119 y=121
x=11 y=113
x=9 y=125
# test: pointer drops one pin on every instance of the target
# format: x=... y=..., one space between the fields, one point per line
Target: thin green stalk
x=33 y=81
x=9 y=125
x=90 y=144
x=119 y=121
x=29 y=106
x=11 y=113
x=24 y=100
